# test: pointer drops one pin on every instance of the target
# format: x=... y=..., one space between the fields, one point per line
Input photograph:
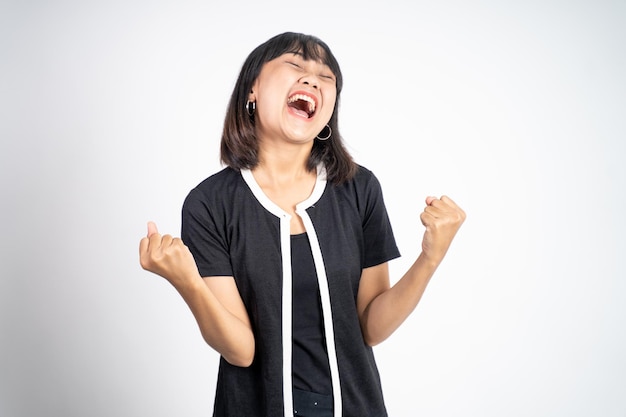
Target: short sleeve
x=204 y=233
x=379 y=243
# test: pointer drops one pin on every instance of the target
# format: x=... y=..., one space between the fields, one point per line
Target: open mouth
x=302 y=104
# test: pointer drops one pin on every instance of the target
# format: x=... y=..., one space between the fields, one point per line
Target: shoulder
x=222 y=181
x=214 y=188
x=363 y=182
x=226 y=178
x=364 y=175
x=362 y=191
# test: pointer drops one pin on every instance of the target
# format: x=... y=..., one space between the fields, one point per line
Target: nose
x=310 y=80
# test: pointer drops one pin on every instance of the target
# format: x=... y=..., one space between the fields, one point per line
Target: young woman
x=283 y=253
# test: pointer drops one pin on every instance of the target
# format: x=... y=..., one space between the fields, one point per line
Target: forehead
x=309 y=51
x=302 y=57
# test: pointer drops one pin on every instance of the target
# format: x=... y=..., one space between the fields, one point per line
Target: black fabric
x=231 y=234
x=309 y=404
x=310 y=368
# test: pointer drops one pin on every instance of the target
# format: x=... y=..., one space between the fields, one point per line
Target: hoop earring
x=330 y=132
x=250 y=107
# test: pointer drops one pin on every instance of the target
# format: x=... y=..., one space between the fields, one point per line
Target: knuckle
x=145 y=262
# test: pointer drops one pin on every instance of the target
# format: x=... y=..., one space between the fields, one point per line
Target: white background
x=111 y=111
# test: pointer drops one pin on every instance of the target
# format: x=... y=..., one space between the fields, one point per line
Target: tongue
x=299 y=112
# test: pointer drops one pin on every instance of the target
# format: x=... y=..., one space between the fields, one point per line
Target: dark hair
x=239 y=146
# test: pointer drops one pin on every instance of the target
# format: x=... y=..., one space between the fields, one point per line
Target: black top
x=230 y=233
x=310 y=367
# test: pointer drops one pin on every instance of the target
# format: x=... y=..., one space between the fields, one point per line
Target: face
x=295 y=98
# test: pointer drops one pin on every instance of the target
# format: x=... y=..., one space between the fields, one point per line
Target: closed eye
x=293 y=64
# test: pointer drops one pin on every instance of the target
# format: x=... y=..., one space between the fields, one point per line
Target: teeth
x=303 y=97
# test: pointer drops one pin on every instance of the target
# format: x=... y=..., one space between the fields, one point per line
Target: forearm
x=389 y=310
x=226 y=333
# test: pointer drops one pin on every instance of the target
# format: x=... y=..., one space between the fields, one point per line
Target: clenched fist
x=442 y=219
x=167 y=256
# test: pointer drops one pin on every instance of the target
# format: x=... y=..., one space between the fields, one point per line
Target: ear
x=252 y=96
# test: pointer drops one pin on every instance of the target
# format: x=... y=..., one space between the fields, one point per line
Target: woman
x=283 y=256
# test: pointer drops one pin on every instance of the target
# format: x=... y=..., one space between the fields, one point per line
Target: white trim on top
x=285 y=237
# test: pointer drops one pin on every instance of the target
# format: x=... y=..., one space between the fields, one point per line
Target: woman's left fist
x=442 y=218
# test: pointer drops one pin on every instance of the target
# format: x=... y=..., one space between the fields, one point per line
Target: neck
x=283 y=163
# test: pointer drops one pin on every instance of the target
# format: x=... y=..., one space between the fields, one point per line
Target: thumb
x=429 y=200
x=152 y=228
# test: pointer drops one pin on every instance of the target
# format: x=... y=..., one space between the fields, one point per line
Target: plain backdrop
x=111 y=111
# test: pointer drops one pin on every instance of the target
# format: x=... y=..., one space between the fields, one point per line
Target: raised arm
x=215 y=302
x=382 y=308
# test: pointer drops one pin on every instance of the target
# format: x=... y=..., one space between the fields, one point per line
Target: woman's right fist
x=166 y=256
